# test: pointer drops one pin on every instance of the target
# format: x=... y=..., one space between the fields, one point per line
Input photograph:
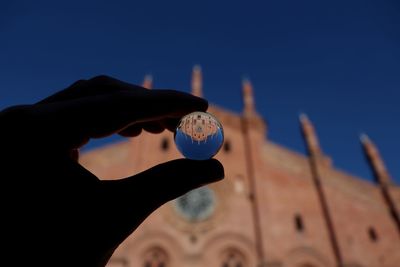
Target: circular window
x=196 y=205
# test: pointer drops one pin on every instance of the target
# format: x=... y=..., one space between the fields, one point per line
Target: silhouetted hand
x=57 y=213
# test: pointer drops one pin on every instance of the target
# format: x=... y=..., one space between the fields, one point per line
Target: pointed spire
x=304 y=118
x=148 y=81
x=248 y=98
x=197 y=81
x=310 y=136
x=375 y=160
x=364 y=138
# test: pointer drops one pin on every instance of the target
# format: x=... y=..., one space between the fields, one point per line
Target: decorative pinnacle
x=248 y=98
x=197 y=68
x=245 y=78
x=310 y=135
x=247 y=85
x=197 y=81
x=375 y=160
x=364 y=138
x=304 y=118
x=148 y=81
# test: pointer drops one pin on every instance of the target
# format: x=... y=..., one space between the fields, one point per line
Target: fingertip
x=216 y=166
x=167 y=181
x=131 y=131
x=210 y=170
x=177 y=101
x=171 y=123
x=203 y=103
x=102 y=79
x=184 y=173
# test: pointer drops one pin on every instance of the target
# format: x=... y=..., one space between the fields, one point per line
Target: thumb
x=127 y=202
x=146 y=191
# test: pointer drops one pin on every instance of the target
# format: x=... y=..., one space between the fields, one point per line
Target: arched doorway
x=155 y=257
x=233 y=258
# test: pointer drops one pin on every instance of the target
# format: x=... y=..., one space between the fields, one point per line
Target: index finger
x=74 y=121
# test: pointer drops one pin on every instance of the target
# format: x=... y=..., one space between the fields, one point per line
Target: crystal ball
x=199 y=136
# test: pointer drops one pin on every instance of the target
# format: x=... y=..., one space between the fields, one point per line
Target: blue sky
x=338 y=61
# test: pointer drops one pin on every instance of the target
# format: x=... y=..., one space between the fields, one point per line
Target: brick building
x=275 y=208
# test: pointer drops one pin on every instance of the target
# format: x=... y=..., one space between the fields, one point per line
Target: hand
x=54 y=211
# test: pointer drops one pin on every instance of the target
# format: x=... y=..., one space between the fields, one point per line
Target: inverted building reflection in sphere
x=199 y=136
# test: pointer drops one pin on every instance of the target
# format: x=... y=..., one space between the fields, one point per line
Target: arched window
x=155 y=257
x=233 y=258
x=227 y=146
x=164 y=144
x=298 y=221
x=373 y=236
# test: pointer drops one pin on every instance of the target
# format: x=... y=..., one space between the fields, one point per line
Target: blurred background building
x=275 y=208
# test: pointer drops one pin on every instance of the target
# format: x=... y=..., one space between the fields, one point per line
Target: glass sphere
x=199 y=136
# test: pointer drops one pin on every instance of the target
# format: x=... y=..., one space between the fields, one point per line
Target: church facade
x=275 y=207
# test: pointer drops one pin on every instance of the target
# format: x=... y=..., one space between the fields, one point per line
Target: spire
x=197 y=81
x=375 y=160
x=310 y=136
x=248 y=98
x=317 y=160
x=148 y=81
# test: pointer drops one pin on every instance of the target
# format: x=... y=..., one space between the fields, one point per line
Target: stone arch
x=233 y=257
x=156 y=256
x=306 y=257
x=229 y=248
x=155 y=247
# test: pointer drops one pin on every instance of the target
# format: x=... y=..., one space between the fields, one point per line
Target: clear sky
x=338 y=61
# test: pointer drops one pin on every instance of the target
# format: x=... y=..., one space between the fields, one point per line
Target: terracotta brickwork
x=266 y=212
